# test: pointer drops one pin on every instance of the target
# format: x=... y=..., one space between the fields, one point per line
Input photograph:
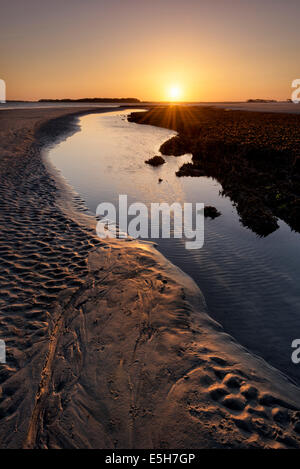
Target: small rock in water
x=155 y=161
x=211 y=212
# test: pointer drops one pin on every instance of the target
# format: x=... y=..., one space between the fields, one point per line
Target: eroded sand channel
x=251 y=285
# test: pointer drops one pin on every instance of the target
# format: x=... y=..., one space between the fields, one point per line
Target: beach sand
x=109 y=345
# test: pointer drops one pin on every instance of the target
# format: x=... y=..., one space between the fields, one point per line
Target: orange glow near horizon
x=208 y=52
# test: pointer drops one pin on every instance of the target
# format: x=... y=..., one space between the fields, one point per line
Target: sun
x=174 y=92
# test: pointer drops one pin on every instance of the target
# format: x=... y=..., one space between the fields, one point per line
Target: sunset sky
x=207 y=50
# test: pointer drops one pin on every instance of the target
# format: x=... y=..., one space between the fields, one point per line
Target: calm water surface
x=251 y=285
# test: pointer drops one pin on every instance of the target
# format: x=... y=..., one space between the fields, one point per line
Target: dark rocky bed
x=254 y=155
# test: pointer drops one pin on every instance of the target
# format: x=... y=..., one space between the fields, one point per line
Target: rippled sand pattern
x=43 y=251
x=137 y=366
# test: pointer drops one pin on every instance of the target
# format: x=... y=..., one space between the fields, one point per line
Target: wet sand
x=109 y=345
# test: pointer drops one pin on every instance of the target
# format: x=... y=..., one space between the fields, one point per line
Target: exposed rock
x=176 y=146
x=189 y=169
x=155 y=161
x=211 y=212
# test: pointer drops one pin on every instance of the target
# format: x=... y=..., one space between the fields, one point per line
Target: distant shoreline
x=91 y=100
x=283 y=107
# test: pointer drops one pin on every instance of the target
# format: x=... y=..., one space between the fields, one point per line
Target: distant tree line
x=91 y=100
x=262 y=101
